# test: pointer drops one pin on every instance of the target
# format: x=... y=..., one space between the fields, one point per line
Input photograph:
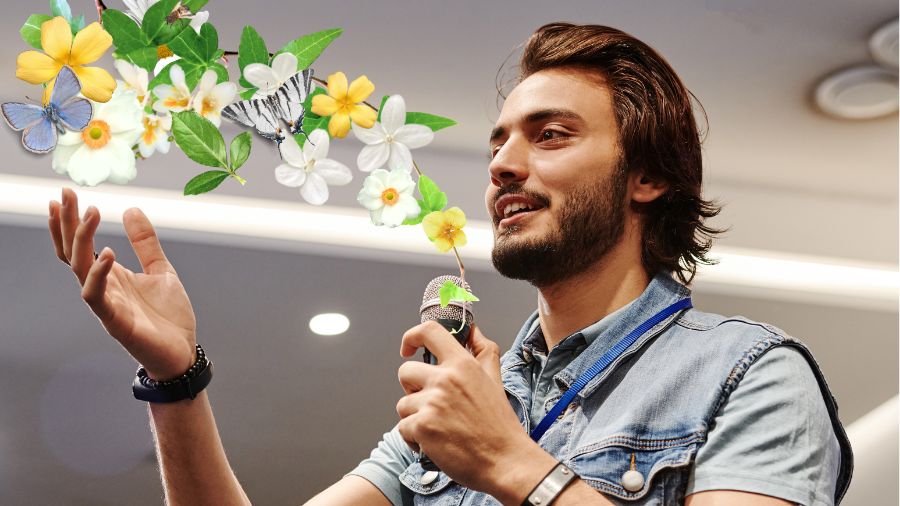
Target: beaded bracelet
x=187 y=386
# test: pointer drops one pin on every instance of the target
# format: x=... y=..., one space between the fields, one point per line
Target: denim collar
x=660 y=293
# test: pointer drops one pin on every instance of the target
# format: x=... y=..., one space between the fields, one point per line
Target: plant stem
x=417 y=168
x=462 y=269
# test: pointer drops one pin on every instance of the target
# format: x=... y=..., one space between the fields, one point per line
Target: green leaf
x=77 y=24
x=432 y=121
x=248 y=94
x=126 y=34
x=194 y=5
x=311 y=120
x=451 y=292
x=309 y=47
x=251 y=50
x=423 y=212
x=193 y=71
x=61 y=8
x=240 y=150
x=433 y=197
x=210 y=41
x=200 y=140
x=221 y=71
x=144 y=58
x=189 y=46
x=205 y=182
x=156 y=26
x=381 y=106
x=31 y=30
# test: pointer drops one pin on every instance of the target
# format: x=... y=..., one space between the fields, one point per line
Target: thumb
x=486 y=352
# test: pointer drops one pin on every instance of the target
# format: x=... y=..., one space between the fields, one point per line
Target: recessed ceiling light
x=883 y=45
x=862 y=92
x=329 y=324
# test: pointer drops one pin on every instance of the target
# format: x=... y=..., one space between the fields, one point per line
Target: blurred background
x=809 y=185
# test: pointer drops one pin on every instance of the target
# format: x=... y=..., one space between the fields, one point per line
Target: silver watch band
x=550 y=487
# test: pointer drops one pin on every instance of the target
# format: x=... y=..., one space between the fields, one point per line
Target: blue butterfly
x=41 y=124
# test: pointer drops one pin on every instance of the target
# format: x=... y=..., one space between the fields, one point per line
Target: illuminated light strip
x=272 y=224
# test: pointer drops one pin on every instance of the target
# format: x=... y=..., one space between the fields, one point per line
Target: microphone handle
x=461 y=337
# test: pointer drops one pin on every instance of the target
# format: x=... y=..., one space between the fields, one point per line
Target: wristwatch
x=187 y=386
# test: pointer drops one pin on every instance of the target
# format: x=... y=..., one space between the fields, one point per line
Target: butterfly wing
x=255 y=113
x=20 y=116
x=75 y=114
x=40 y=137
x=289 y=99
x=67 y=86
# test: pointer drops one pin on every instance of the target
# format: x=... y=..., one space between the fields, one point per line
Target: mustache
x=518 y=189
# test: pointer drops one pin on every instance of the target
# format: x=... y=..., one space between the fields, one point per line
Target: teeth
x=511 y=208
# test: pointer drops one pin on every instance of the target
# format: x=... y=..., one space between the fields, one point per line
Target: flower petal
x=290 y=152
x=176 y=75
x=374 y=135
x=455 y=217
x=224 y=94
x=127 y=70
x=409 y=205
x=360 y=89
x=339 y=125
x=369 y=201
x=262 y=77
x=401 y=158
x=393 y=114
x=90 y=44
x=316 y=145
x=207 y=82
x=56 y=38
x=96 y=83
x=363 y=115
x=376 y=183
x=433 y=223
x=373 y=157
x=163 y=62
x=289 y=175
x=393 y=216
x=337 y=85
x=442 y=244
x=459 y=239
x=122 y=113
x=333 y=172
x=90 y=167
x=35 y=67
x=284 y=66
x=323 y=105
x=125 y=168
x=62 y=153
x=314 y=190
x=414 y=136
x=401 y=181
x=198 y=19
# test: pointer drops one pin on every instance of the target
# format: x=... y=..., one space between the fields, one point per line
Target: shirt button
x=632 y=480
x=428 y=478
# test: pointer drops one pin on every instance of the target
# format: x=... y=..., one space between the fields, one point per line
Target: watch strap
x=187 y=386
x=551 y=486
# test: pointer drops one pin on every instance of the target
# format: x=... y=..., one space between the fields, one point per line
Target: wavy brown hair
x=657 y=134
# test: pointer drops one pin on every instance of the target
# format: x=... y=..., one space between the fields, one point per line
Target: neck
x=609 y=284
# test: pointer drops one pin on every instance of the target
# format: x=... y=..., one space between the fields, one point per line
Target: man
x=595 y=193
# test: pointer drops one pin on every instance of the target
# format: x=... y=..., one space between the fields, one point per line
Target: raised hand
x=149 y=313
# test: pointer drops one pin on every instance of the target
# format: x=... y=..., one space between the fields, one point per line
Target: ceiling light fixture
x=329 y=324
x=287 y=226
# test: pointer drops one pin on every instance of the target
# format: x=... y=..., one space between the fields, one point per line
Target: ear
x=643 y=189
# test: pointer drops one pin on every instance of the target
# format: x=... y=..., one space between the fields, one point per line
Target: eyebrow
x=538 y=116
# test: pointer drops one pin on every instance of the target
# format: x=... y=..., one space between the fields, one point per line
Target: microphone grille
x=431 y=302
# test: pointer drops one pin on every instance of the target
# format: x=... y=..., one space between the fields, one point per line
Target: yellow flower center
x=207 y=106
x=177 y=100
x=96 y=134
x=390 y=197
x=345 y=106
x=163 y=51
x=149 y=136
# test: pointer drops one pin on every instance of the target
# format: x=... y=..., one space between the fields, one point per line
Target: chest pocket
x=441 y=492
x=663 y=465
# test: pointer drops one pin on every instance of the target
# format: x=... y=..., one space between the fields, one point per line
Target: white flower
x=162 y=63
x=389 y=197
x=102 y=151
x=134 y=78
x=389 y=142
x=173 y=97
x=155 y=134
x=268 y=79
x=210 y=98
x=309 y=169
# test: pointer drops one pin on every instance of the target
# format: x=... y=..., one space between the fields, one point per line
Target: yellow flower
x=90 y=43
x=343 y=104
x=444 y=228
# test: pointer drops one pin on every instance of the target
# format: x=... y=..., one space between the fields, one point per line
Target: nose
x=509 y=165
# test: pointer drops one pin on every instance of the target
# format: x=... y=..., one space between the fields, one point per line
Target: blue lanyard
x=603 y=363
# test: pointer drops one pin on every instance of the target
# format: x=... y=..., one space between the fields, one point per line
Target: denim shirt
x=656 y=402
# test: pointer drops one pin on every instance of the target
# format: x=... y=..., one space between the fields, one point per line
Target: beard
x=592 y=221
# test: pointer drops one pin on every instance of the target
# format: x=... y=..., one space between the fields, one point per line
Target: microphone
x=457 y=318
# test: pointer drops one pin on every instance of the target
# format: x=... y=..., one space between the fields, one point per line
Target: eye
x=494 y=150
x=549 y=134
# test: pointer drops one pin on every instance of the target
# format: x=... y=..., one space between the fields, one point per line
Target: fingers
x=68 y=220
x=145 y=242
x=56 y=232
x=433 y=336
x=414 y=375
x=486 y=352
x=411 y=404
x=83 y=246
x=94 y=290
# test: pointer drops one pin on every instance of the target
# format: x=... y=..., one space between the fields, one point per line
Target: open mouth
x=512 y=209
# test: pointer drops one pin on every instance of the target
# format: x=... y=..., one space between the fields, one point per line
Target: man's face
x=558 y=191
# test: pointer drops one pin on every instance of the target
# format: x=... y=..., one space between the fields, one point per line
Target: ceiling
x=793 y=180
